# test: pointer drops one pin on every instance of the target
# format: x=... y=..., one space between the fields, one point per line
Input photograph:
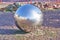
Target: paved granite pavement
x=50 y=29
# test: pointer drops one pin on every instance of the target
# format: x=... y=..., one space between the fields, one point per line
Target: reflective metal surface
x=28 y=16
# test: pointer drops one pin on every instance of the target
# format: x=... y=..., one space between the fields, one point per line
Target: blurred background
x=50 y=29
x=42 y=4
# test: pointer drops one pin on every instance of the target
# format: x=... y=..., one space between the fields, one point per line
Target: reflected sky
x=28 y=11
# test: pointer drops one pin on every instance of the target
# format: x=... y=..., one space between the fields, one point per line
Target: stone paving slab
x=50 y=30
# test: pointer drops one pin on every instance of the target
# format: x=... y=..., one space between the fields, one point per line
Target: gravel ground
x=50 y=30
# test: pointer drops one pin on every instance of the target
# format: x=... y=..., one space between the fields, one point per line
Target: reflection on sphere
x=28 y=16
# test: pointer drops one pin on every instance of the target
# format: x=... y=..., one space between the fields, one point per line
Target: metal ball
x=27 y=17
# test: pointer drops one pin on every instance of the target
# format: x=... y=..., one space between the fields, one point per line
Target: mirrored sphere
x=27 y=17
